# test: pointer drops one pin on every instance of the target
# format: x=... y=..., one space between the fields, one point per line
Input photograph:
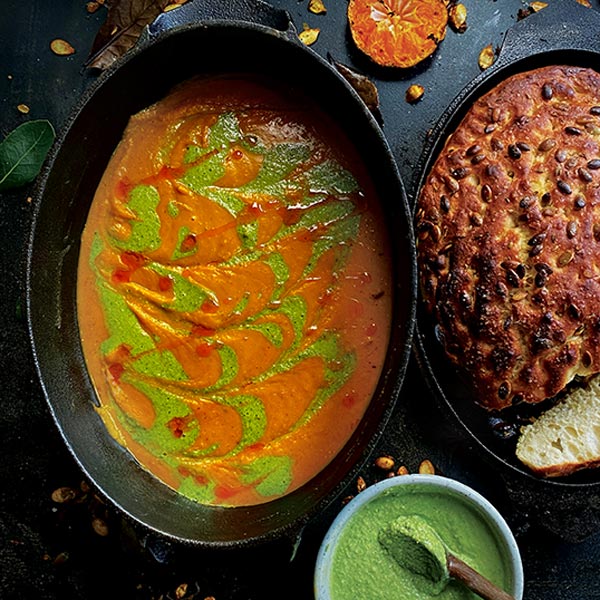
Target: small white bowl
x=466 y=494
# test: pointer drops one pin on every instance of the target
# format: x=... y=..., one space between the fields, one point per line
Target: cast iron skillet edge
x=562 y=33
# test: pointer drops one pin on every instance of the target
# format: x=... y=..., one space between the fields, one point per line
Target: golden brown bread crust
x=508 y=227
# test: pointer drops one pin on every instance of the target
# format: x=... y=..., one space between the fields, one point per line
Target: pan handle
x=549 y=29
x=255 y=12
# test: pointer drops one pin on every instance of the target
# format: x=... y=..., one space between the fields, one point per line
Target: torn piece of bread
x=566 y=438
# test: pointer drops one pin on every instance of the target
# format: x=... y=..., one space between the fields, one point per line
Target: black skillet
x=199 y=38
x=563 y=33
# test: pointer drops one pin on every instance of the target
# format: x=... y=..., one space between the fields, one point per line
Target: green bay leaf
x=23 y=151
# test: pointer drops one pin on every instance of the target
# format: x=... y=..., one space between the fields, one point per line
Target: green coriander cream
x=366 y=565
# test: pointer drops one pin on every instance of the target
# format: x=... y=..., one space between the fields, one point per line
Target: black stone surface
x=50 y=550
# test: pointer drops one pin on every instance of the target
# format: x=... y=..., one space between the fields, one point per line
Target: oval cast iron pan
x=562 y=33
x=192 y=40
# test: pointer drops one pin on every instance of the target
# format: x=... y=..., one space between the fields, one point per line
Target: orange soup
x=234 y=291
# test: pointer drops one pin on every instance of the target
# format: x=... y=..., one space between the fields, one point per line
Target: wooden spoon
x=416 y=546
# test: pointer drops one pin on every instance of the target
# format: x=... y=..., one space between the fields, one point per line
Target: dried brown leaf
x=124 y=24
x=363 y=86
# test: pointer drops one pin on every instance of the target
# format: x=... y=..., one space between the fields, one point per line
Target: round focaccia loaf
x=566 y=438
x=508 y=228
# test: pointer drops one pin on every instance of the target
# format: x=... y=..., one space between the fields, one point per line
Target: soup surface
x=234 y=291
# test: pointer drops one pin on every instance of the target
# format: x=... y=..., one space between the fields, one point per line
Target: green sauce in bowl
x=353 y=564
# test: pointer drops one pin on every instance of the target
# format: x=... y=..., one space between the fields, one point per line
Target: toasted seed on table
x=61 y=47
x=61 y=558
x=457 y=15
x=100 y=526
x=181 y=591
x=361 y=484
x=426 y=467
x=384 y=462
x=309 y=35
x=402 y=470
x=414 y=93
x=486 y=58
x=317 y=7
x=63 y=494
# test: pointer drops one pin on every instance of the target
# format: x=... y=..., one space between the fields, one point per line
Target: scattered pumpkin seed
x=61 y=47
x=402 y=470
x=361 y=484
x=487 y=57
x=414 y=93
x=181 y=591
x=63 y=494
x=317 y=7
x=61 y=558
x=23 y=108
x=457 y=16
x=92 y=7
x=308 y=35
x=100 y=526
x=386 y=463
x=426 y=467
x=537 y=6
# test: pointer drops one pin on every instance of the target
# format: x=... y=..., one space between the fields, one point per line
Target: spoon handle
x=474 y=580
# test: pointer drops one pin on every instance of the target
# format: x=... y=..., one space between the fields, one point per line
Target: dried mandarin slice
x=397 y=33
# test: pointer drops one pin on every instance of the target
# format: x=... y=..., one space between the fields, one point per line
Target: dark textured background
x=50 y=550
